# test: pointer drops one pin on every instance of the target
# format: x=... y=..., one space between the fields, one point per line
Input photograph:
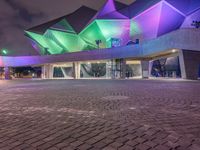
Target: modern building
x=148 y=38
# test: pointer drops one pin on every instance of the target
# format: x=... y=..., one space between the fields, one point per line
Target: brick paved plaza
x=100 y=114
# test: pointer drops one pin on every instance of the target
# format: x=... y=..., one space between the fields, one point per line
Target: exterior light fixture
x=173 y=51
x=4 y=51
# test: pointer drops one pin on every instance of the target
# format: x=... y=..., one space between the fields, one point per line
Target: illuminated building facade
x=148 y=38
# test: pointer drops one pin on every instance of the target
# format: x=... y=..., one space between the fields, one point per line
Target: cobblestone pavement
x=100 y=115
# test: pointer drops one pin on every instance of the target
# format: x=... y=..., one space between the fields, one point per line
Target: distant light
x=4 y=51
x=89 y=63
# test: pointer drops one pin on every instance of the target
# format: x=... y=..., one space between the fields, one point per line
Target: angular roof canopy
x=195 y=16
x=41 y=29
x=119 y=5
x=77 y=20
x=143 y=19
x=138 y=7
x=82 y=17
x=110 y=10
x=185 y=6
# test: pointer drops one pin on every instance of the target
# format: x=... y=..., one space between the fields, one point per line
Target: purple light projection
x=108 y=11
x=189 y=19
x=113 y=15
x=170 y=19
x=156 y=21
x=145 y=25
x=185 y=6
x=107 y=8
x=35 y=46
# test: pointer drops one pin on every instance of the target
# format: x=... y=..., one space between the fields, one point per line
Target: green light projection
x=62 y=38
x=70 y=42
x=46 y=43
x=134 y=29
x=92 y=33
x=109 y=28
x=115 y=29
x=105 y=30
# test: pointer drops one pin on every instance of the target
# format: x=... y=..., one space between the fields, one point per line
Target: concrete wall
x=145 y=69
x=191 y=64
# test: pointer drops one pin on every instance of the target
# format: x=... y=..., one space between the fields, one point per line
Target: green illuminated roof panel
x=46 y=43
x=71 y=42
x=92 y=33
x=115 y=29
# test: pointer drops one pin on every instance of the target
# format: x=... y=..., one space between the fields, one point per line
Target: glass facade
x=63 y=71
x=166 y=67
x=133 y=69
x=95 y=69
x=112 y=69
x=102 y=69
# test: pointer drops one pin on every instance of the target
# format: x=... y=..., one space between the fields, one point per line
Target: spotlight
x=173 y=51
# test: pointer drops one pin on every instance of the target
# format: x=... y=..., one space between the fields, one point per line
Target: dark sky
x=18 y=15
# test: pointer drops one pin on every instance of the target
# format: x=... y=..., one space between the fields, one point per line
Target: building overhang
x=187 y=39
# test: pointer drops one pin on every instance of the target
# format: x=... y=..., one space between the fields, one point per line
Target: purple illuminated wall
x=185 y=6
x=107 y=8
x=145 y=25
x=156 y=21
x=170 y=19
x=189 y=19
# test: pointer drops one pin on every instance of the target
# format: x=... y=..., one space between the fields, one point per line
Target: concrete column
x=7 y=73
x=47 y=71
x=145 y=69
x=77 y=70
x=108 y=69
x=43 y=72
x=113 y=69
x=51 y=69
x=123 y=68
x=190 y=62
x=150 y=67
x=182 y=64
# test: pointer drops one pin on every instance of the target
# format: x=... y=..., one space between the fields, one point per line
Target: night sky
x=18 y=15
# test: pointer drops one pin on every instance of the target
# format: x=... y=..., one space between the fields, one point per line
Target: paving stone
x=143 y=147
x=151 y=144
x=126 y=147
x=55 y=114
x=161 y=147
x=84 y=147
x=194 y=147
x=116 y=145
x=100 y=145
x=108 y=148
x=53 y=148
x=76 y=143
x=132 y=143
